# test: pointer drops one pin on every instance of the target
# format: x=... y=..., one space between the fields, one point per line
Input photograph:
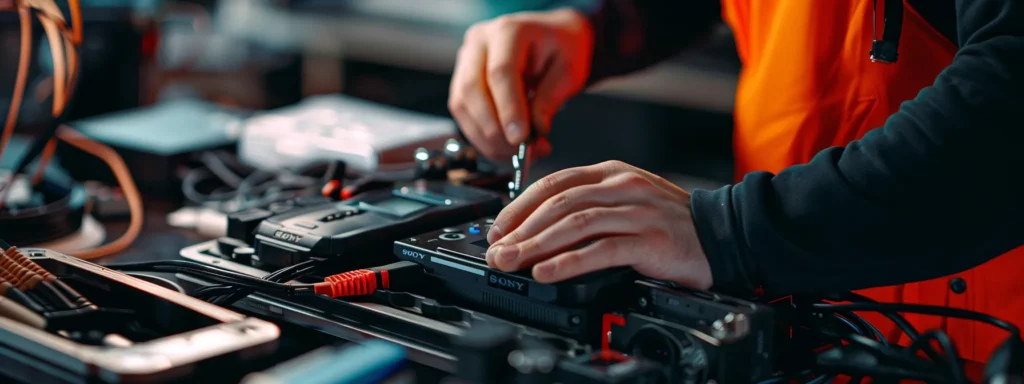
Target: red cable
x=353 y=283
x=364 y=282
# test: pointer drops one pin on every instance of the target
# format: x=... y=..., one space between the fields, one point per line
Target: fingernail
x=543 y=271
x=492 y=256
x=514 y=133
x=493 y=234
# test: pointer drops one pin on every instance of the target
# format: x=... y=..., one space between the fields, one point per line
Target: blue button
x=474 y=230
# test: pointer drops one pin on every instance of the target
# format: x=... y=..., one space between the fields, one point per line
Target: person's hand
x=501 y=60
x=636 y=218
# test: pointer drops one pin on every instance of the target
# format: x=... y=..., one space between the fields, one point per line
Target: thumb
x=554 y=88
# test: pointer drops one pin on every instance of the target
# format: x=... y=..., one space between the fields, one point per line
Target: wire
x=217 y=274
x=956 y=369
x=161 y=281
x=850 y=324
x=248 y=187
x=221 y=170
x=63 y=47
x=921 y=309
x=48 y=152
x=25 y=54
x=124 y=180
x=896 y=318
x=283 y=275
x=866 y=326
x=76 y=21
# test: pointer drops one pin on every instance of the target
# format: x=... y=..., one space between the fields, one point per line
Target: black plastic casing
x=743 y=352
x=360 y=231
x=454 y=256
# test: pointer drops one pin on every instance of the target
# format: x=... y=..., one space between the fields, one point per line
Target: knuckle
x=515 y=238
x=549 y=182
x=456 y=103
x=563 y=202
x=613 y=164
x=581 y=220
x=634 y=180
x=507 y=23
x=572 y=260
x=500 y=69
x=474 y=30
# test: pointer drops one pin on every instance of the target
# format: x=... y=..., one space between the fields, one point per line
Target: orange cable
x=51 y=145
x=19 y=83
x=59 y=64
x=76 y=21
x=44 y=160
x=56 y=41
x=124 y=179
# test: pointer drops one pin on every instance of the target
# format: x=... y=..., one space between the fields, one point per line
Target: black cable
x=232 y=294
x=866 y=327
x=251 y=187
x=952 y=356
x=920 y=309
x=917 y=368
x=221 y=170
x=896 y=318
x=217 y=274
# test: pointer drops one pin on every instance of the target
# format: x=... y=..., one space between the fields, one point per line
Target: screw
x=575 y=320
x=643 y=302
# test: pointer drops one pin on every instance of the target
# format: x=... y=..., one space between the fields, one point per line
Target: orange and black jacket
x=937 y=189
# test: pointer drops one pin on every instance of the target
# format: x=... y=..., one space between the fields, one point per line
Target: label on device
x=508 y=283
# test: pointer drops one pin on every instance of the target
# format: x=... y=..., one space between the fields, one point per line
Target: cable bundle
x=225 y=295
x=227 y=185
x=32 y=292
x=64 y=41
x=361 y=282
x=860 y=350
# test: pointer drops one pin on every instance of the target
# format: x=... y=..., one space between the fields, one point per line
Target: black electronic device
x=702 y=336
x=455 y=257
x=497 y=354
x=362 y=228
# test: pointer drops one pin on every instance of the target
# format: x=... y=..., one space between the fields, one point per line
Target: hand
x=637 y=219
x=501 y=60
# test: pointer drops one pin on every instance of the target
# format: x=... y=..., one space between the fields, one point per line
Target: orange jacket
x=807 y=84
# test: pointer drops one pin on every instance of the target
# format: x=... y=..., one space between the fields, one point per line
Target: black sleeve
x=634 y=34
x=937 y=190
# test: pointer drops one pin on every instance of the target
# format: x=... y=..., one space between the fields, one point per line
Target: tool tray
x=173 y=335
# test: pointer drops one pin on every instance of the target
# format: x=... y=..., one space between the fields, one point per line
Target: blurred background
x=245 y=56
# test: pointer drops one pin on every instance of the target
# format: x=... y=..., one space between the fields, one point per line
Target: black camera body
x=359 y=231
x=699 y=336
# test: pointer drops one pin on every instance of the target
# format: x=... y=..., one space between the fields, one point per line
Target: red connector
x=362 y=282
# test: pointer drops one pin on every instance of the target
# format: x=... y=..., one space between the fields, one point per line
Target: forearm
x=933 y=192
x=634 y=34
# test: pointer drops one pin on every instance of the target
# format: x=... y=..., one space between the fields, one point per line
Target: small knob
x=243 y=255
